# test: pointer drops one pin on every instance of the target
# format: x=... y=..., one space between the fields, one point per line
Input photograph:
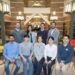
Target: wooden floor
x=71 y=70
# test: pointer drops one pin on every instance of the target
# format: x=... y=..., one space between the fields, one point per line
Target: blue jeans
x=6 y=66
x=25 y=66
x=38 y=66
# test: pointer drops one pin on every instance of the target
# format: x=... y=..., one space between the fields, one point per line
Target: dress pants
x=47 y=68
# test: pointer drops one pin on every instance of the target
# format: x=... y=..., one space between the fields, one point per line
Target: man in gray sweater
x=17 y=33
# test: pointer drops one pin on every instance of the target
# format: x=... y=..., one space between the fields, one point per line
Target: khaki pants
x=63 y=70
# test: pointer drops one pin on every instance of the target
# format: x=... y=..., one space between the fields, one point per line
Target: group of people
x=38 y=50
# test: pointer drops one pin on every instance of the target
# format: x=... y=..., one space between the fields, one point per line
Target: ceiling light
x=37 y=3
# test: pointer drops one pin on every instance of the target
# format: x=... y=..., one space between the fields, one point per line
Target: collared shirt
x=38 y=50
x=11 y=50
x=55 y=34
x=50 y=51
x=26 y=48
x=52 y=31
x=65 y=53
x=32 y=37
x=17 y=29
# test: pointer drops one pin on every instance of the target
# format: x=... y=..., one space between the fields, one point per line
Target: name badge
x=67 y=49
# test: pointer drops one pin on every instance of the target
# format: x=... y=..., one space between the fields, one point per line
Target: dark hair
x=43 y=23
x=52 y=23
x=30 y=26
x=66 y=36
x=26 y=36
x=51 y=38
x=18 y=22
x=38 y=37
x=10 y=35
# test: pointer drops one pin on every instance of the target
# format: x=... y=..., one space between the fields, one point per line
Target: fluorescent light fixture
x=54 y=18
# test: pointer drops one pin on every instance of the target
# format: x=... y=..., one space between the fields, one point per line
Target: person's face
x=53 y=25
x=65 y=40
x=42 y=26
x=26 y=39
x=17 y=25
x=39 y=39
x=30 y=28
x=50 y=41
x=11 y=39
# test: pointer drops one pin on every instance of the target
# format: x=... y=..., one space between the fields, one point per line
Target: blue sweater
x=44 y=35
x=65 y=53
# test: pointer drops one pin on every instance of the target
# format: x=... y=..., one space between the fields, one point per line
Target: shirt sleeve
x=5 y=53
x=45 y=53
x=20 y=49
x=32 y=47
x=54 y=53
x=17 y=52
x=56 y=36
x=59 y=54
x=69 y=57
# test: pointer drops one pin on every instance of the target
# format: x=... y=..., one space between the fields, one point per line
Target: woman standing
x=38 y=52
x=32 y=34
x=50 y=54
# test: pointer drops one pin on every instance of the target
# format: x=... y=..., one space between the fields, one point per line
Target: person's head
x=26 y=38
x=53 y=25
x=50 y=40
x=66 y=39
x=17 y=25
x=39 y=38
x=30 y=28
x=42 y=25
x=11 y=38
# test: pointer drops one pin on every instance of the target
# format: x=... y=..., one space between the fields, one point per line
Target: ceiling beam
x=25 y=3
x=47 y=3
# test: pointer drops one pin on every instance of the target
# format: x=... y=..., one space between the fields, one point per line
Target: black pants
x=48 y=67
x=38 y=66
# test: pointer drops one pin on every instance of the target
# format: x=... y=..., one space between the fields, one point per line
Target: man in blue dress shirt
x=65 y=54
x=10 y=53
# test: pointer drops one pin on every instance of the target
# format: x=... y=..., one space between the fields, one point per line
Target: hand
x=61 y=65
x=24 y=60
x=12 y=60
x=30 y=58
x=46 y=61
x=49 y=62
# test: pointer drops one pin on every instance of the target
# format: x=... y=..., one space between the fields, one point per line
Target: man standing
x=26 y=55
x=54 y=32
x=43 y=33
x=65 y=54
x=17 y=33
x=10 y=53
